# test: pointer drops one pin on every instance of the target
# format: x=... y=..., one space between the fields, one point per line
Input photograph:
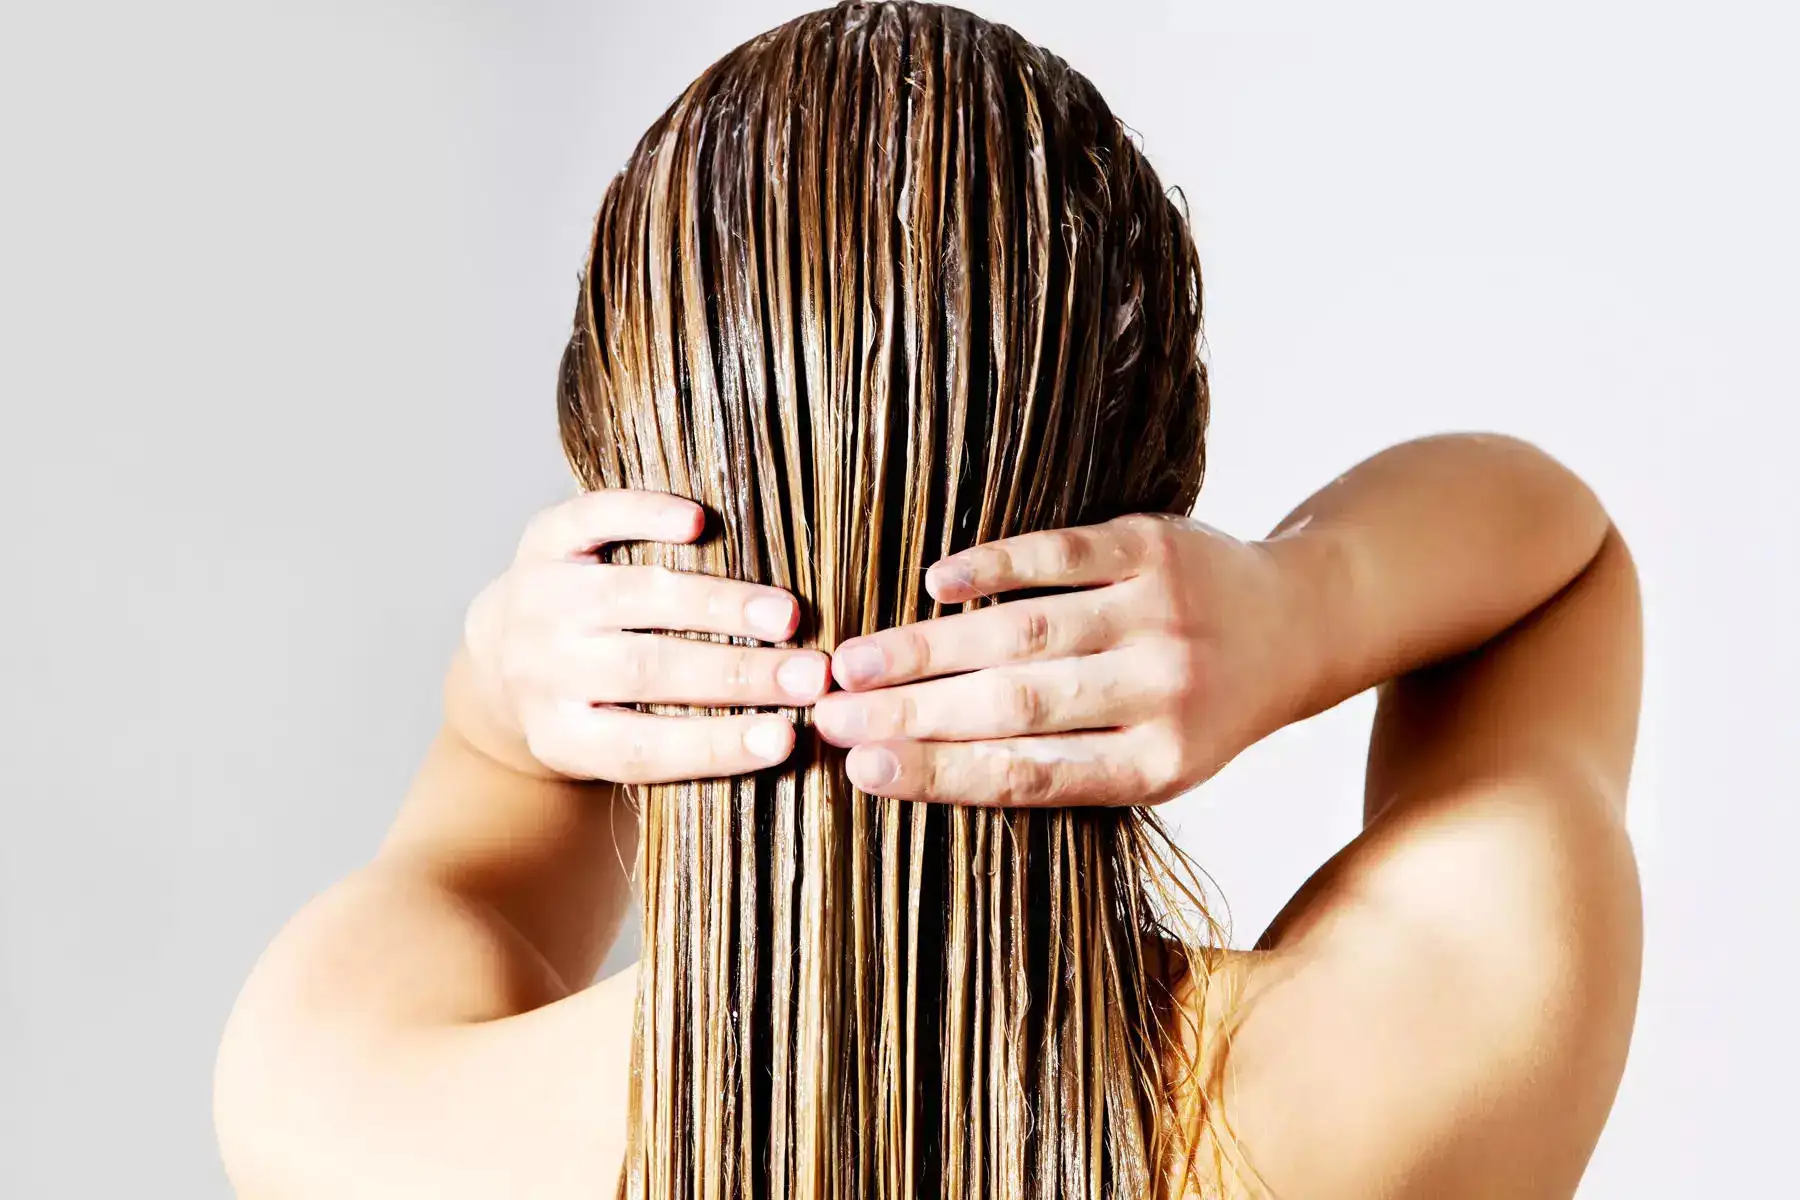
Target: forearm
x=552 y=856
x=497 y=893
x=376 y=961
x=1426 y=551
x=494 y=892
x=399 y=1039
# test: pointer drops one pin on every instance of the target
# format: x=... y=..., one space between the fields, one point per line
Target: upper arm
x=1445 y=1007
x=1554 y=699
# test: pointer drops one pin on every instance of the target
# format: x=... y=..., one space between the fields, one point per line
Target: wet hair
x=883 y=283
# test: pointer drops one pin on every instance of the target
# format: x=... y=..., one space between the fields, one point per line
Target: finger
x=1098 y=691
x=598 y=596
x=1080 y=770
x=1078 y=557
x=1020 y=631
x=574 y=528
x=616 y=744
x=648 y=668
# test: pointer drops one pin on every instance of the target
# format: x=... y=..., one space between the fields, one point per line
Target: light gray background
x=282 y=290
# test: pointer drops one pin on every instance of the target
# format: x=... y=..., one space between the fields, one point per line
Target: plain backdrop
x=282 y=289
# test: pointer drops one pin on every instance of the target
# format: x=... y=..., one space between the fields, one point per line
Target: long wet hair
x=884 y=283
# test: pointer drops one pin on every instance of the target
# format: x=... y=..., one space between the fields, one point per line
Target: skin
x=1442 y=1010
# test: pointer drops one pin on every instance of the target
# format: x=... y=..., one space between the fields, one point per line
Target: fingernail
x=842 y=720
x=857 y=662
x=767 y=740
x=948 y=576
x=871 y=768
x=802 y=676
x=770 y=616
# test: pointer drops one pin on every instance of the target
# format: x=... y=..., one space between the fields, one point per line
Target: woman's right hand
x=553 y=651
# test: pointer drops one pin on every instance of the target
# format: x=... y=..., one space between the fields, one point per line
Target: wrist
x=470 y=717
x=1315 y=609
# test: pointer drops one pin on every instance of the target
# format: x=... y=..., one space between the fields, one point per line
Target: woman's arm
x=1444 y=1009
x=406 y=1034
x=1452 y=996
x=1425 y=551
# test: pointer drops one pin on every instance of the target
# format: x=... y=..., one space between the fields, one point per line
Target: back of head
x=883 y=283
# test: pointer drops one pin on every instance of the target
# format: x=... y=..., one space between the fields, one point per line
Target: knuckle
x=662 y=583
x=546 y=743
x=713 y=600
x=911 y=651
x=1123 y=783
x=991 y=566
x=738 y=670
x=1179 y=679
x=628 y=753
x=1025 y=781
x=1189 y=671
x=1166 y=760
x=1018 y=703
x=708 y=751
x=1172 y=671
x=1178 y=606
x=1064 y=551
x=1135 y=526
x=1130 y=522
x=631 y=761
x=641 y=597
x=541 y=527
x=935 y=777
x=643 y=662
x=1161 y=543
x=899 y=717
x=632 y=665
x=1032 y=633
x=1102 y=628
x=1155 y=538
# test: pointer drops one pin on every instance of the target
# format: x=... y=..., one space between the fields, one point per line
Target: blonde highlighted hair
x=884 y=283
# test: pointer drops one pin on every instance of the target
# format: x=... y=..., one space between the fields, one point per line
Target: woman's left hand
x=1180 y=650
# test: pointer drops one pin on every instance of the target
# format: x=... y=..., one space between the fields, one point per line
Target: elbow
x=247 y=1078
x=1555 y=506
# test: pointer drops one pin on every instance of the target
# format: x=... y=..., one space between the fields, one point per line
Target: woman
x=889 y=289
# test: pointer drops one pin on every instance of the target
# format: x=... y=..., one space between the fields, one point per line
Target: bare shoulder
x=335 y=1080
x=1445 y=1010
